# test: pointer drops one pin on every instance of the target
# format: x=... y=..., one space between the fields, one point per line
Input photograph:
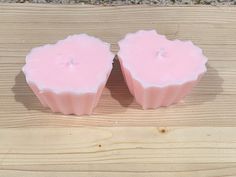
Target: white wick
x=72 y=62
x=161 y=53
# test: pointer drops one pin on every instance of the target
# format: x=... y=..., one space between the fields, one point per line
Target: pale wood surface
x=198 y=135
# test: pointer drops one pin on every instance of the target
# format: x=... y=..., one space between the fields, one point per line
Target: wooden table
x=197 y=137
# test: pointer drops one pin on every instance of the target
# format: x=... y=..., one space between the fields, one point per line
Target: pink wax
x=156 y=62
x=78 y=65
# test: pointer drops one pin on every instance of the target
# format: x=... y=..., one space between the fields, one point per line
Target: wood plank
x=115 y=30
x=178 y=151
x=226 y=172
x=194 y=111
x=196 y=14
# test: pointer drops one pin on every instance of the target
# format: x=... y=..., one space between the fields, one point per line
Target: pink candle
x=158 y=71
x=69 y=76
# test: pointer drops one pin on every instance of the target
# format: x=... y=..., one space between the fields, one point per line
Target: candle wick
x=161 y=53
x=72 y=62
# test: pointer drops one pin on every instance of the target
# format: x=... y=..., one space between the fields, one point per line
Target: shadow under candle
x=119 y=98
x=207 y=89
x=25 y=95
x=117 y=86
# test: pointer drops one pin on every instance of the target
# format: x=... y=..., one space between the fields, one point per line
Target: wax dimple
x=161 y=53
x=72 y=62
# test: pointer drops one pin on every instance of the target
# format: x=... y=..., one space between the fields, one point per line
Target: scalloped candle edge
x=154 y=97
x=194 y=76
x=68 y=103
x=94 y=89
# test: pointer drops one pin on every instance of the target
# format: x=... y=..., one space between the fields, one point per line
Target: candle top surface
x=79 y=63
x=154 y=60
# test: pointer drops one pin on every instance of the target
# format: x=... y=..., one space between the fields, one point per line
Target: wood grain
x=193 y=138
x=114 y=151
